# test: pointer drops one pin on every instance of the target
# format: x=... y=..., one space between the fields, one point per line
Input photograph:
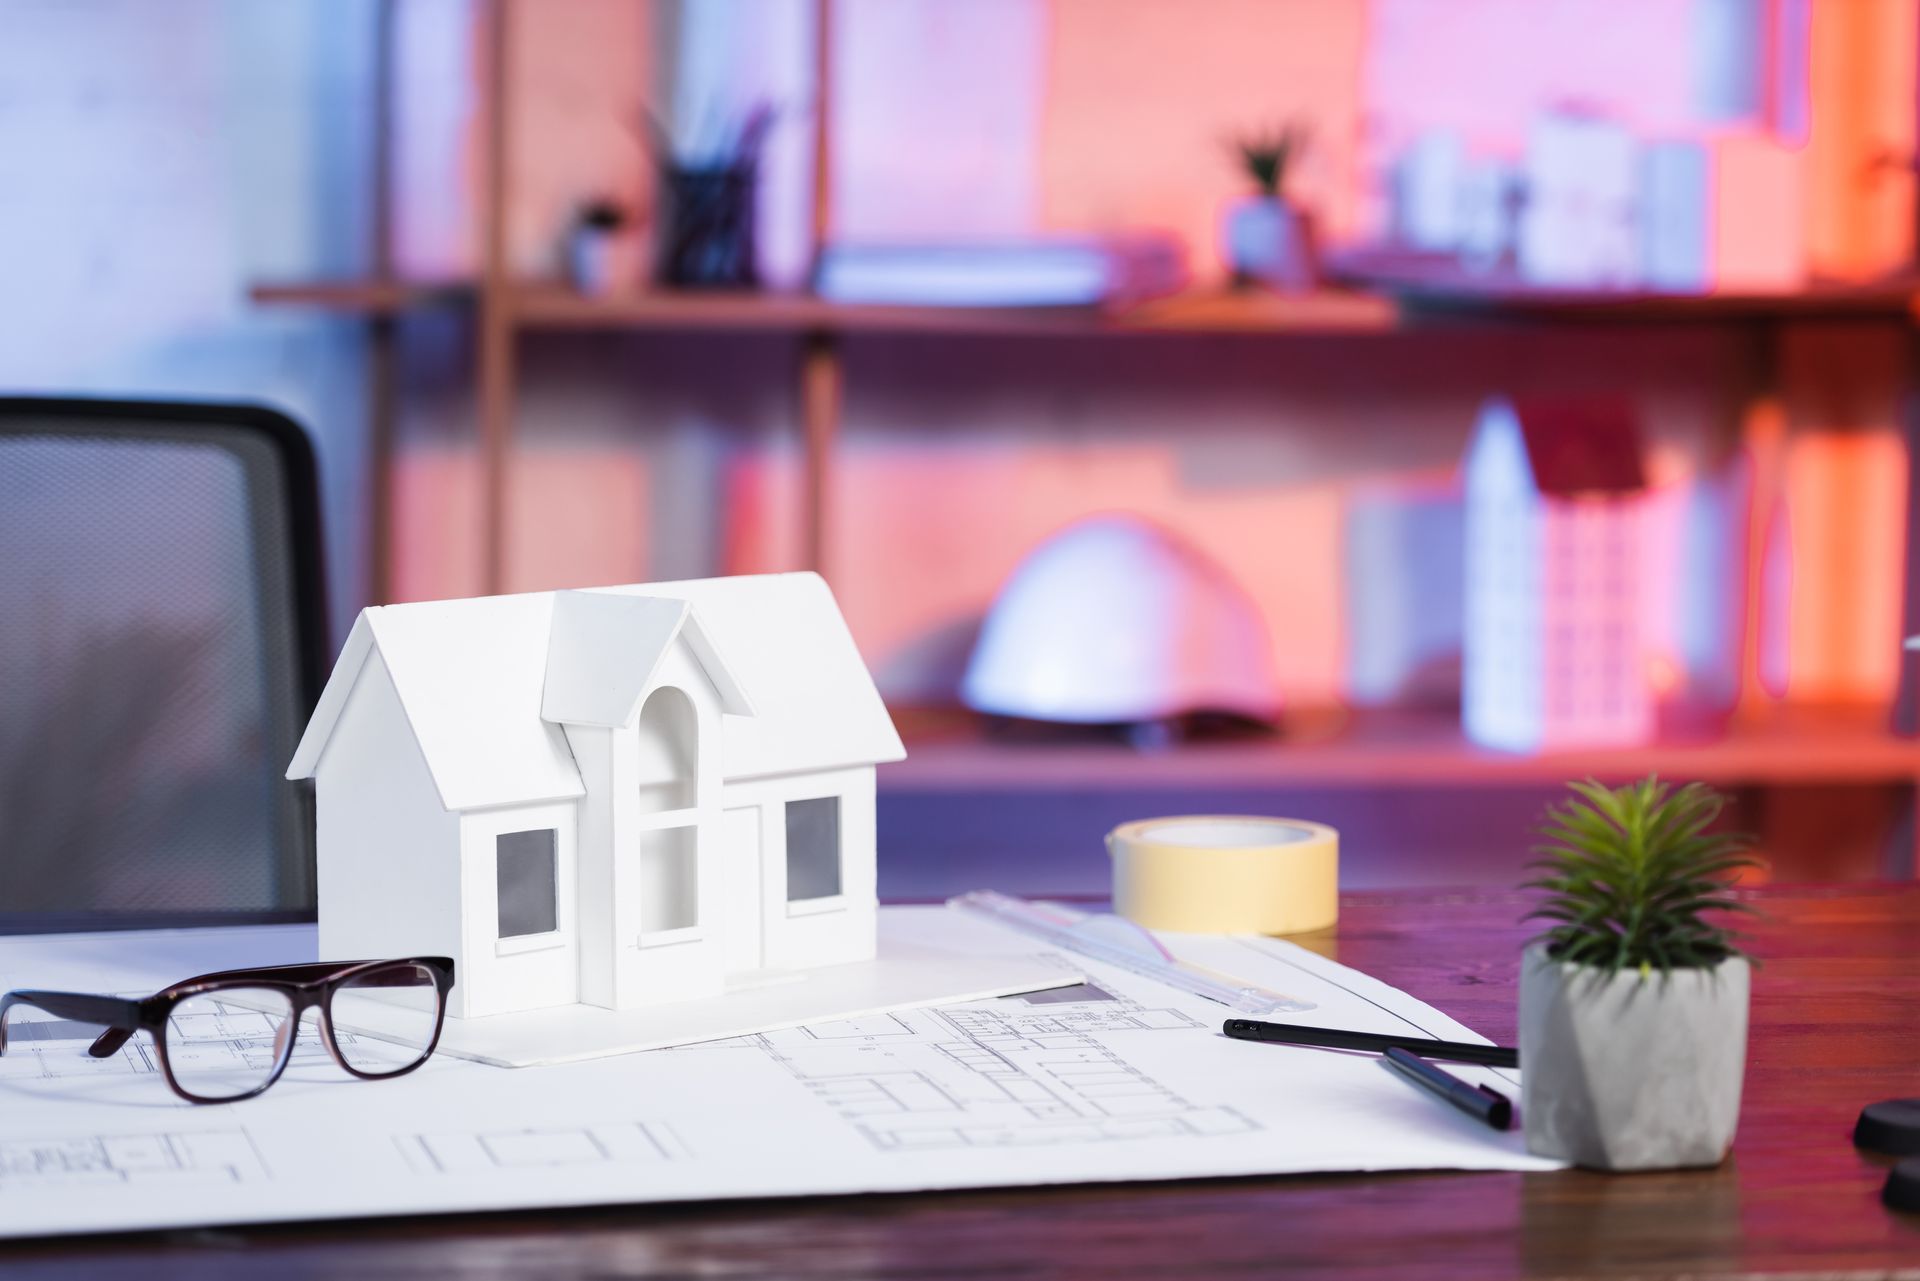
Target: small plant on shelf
x=1634 y=877
x=1265 y=236
x=601 y=214
x=1633 y=1001
x=596 y=225
x=1265 y=156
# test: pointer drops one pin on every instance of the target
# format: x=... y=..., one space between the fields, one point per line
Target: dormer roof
x=483 y=681
x=603 y=650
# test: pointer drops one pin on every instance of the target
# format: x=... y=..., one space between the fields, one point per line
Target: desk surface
x=1836 y=1023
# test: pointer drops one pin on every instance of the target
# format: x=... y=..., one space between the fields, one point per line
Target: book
x=1041 y=272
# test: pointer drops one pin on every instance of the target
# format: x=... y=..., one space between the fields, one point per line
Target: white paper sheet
x=1130 y=1080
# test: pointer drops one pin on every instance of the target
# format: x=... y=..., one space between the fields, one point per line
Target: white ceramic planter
x=1271 y=241
x=590 y=254
x=1631 y=1073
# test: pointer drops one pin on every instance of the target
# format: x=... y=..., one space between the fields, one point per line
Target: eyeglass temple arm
x=120 y=1016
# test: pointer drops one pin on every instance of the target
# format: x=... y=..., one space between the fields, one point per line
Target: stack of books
x=1040 y=272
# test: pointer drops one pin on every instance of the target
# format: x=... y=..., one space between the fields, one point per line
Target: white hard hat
x=1113 y=620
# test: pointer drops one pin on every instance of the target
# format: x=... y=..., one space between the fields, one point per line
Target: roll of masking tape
x=1226 y=874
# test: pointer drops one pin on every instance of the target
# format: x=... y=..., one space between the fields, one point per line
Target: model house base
x=902 y=975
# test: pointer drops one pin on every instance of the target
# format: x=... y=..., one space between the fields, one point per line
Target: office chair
x=161 y=645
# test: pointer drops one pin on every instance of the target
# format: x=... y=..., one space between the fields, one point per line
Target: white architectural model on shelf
x=1553 y=654
x=614 y=798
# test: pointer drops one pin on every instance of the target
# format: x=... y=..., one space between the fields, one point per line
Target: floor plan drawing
x=207 y=1156
x=40 y=1048
x=642 y=1142
x=1011 y=1072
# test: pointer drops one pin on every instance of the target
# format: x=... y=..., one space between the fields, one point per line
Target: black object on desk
x=1327 y=1038
x=1902 y=1190
x=1891 y=1126
x=1482 y=1104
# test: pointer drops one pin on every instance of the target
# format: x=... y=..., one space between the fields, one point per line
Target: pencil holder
x=707 y=238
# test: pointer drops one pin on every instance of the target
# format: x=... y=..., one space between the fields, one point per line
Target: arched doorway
x=667 y=777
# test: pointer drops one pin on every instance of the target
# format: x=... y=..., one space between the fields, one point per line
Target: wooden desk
x=1836 y=1022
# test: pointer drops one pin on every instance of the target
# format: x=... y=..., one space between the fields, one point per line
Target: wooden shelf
x=950 y=752
x=1381 y=301
x=363 y=297
x=550 y=307
x=1430 y=289
x=1221 y=312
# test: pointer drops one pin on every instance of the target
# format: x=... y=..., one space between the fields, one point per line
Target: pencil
x=1489 y=1107
x=1327 y=1038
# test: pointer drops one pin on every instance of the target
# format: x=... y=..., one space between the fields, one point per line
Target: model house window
x=813 y=848
x=669 y=880
x=527 y=875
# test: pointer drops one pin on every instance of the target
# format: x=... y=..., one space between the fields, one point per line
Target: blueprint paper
x=1120 y=1079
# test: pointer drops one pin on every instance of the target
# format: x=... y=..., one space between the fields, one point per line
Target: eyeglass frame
x=307 y=985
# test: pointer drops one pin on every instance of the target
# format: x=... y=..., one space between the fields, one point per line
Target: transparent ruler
x=1102 y=936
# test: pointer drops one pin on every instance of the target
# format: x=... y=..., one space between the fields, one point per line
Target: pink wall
x=1483 y=67
x=1144 y=98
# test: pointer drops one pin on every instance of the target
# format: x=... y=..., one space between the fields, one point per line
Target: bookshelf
x=1765 y=746
x=1378 y=294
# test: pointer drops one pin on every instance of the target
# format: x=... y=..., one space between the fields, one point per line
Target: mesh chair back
x=160 y=648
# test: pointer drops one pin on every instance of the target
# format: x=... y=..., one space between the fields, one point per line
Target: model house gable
x=605 y=652
x=785 y=642
x=468 y=674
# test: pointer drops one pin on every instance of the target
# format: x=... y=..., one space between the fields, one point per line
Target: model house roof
x=484 y=681
x=604 y=648
x=1586 y=446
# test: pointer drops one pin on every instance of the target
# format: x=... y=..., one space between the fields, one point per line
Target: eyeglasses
x=228 y=1036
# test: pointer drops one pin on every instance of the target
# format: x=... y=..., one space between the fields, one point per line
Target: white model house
x=612 y=797
x=1553 y=653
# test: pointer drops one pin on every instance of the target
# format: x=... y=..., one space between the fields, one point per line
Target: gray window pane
x=528 y=890
x=813 y=848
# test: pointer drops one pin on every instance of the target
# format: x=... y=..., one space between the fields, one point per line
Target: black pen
x=1327 y=1038
x=1482 y=1104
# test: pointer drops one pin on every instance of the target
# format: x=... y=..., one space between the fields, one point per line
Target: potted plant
x=596 y=225
x=1267 y=237
x=1633 y=1002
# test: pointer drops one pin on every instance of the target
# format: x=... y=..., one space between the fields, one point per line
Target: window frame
x=560 y=934
x=824 y=903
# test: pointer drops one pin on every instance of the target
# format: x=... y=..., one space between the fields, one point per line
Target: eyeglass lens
x=385 y=1019
x=229 y=1042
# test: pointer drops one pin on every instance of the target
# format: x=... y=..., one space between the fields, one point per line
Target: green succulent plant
x=1635 y=879
x=1265 y=156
